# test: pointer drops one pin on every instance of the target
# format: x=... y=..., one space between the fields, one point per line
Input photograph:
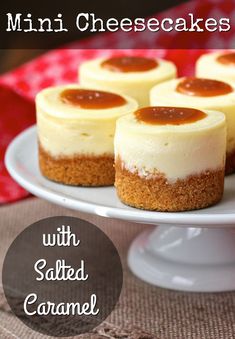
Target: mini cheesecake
x=170 y=158
x=133 y=76
x=202 y=94
x=76 y=128
x=217 y=65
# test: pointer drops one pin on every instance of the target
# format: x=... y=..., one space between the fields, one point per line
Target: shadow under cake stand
x=189 y=251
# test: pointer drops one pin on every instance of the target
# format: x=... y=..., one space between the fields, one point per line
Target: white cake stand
x=190 y=251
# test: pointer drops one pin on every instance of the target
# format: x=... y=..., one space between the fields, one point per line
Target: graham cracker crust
x=157 y=194
x=230 y=163
x=77 y=170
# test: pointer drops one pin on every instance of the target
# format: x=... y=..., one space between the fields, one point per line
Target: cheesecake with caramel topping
x=130 y=75
x=170 y=158
x=76 y=128
x=201 y=93
x=217 y=65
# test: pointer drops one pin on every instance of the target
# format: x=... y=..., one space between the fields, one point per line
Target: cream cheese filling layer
x=207 y=66
x=166 y=95
x=174 y=151
x=64 y=130
x=134 y=84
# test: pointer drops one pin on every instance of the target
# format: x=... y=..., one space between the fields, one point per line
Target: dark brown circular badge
x=62 y=276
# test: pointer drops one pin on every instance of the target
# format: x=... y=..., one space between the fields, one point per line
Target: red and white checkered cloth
x=19 y=87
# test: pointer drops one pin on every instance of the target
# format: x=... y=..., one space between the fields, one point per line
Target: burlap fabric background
x=144 y=311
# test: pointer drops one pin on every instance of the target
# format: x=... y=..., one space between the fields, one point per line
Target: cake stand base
x=185 y=258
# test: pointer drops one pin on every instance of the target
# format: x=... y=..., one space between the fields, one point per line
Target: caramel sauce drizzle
x=203 y=87
x=125 y=64
x=91 y=99
x=169 y=115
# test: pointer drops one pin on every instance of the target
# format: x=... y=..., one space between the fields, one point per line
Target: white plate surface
x=21 y=162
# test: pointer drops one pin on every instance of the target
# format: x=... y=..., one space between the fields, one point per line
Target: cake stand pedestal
x=187 y=259
x=189 y=251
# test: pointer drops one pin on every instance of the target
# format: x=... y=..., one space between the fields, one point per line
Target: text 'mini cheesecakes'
x=131 y=75
x=170 y=158
x=202 y=94
x=76 y=128
x=217 y=65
